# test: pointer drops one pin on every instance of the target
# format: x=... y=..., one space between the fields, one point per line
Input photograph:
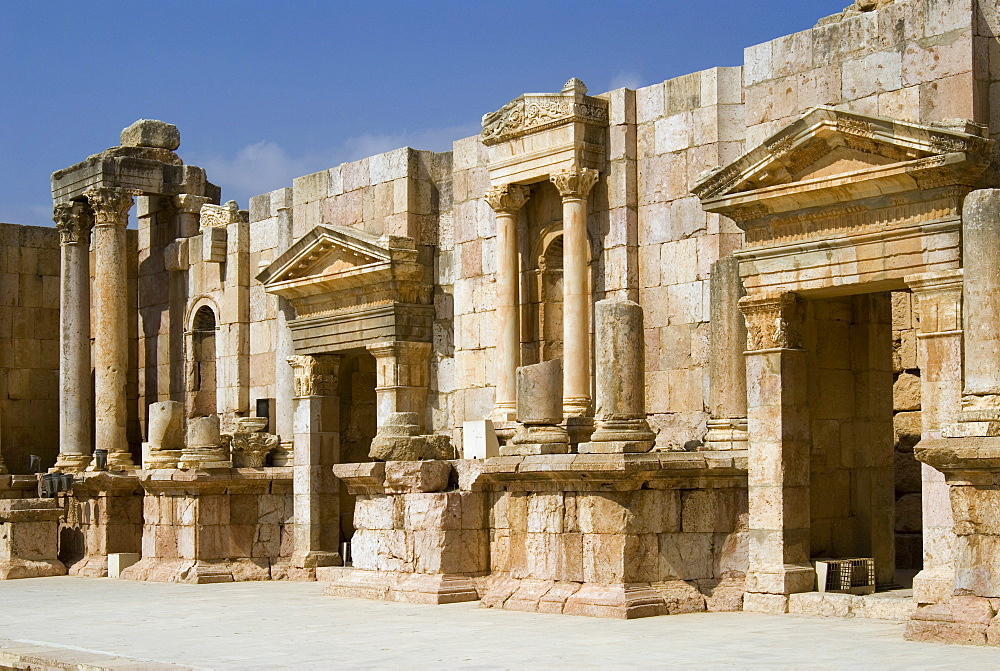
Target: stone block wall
x=684 y=127
x=910 y=60
x=29 y=344
x=906 y=426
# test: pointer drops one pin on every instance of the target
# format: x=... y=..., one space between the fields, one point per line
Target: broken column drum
x=540 y=411
x=620 y=376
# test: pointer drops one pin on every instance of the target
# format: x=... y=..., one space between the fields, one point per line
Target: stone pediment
x=830 y=157
x=331 y=260
x=535 y=112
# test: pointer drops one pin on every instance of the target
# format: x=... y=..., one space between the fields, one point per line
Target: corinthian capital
x=774 y=321
x=315 y=374
x=110 y=204
x=73 y=221
x=575 y=183
x=507 y=198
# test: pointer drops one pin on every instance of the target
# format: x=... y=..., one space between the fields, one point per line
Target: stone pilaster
x=74 y=222
x=621 y=382
x=506 y=201
x=727 y=426
x=110 y=310
x=403 y=371
x=939 y=357
x=188 y=210
x=574 y=185
x=778 y=459
x=317 y=449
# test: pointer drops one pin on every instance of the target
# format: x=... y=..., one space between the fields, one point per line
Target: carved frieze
x=220 y=216
x=110 y=205
x=774 y=321
x=535 y=112
x=315 y=374
x=73 y=221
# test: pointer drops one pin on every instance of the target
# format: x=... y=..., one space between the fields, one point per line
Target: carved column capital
x=73 y=221
x=110 y=205
x=575 y=184
x=315 y=374
x=190 y=204
x=507 y=198
x=774 y=321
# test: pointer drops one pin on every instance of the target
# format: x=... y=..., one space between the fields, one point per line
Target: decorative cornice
x=533 y=112
x=774 y=321
x=507 y=198
x=73 y=221
x=315 y=374
x=575 y=183
x=110 y=205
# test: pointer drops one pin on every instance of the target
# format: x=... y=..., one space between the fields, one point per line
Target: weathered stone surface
x=539 y=393
x=151 y=133
x=906 y=392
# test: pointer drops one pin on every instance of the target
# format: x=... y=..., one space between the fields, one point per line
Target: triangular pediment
x=831 y=154
x=326 y=251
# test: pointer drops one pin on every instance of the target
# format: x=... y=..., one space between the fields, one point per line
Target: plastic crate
x=845 y=576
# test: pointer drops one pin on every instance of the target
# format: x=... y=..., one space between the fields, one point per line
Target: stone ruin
x=704 y=334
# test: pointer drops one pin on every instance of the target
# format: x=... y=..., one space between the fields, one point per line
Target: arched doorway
x=203 y=382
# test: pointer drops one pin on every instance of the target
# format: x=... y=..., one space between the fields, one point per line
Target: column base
x=726 y=434
x=576 y=407
x=162 y=459
x=534 y=439
x=13 y=569
x=71 y=463
x=405 y=587
x=622 y=601
x=117 y=461
x=315 y=559
x=203 y=457
x=198 y=571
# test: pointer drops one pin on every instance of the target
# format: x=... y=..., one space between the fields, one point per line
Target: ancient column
x=574 y=185
x=778 y=458
x=981 y=265
x=74 y=222
x=506 y=200
x=620 y=372
x=317 y=449
x=939 y=356
x=110 y=312
x=727 y=426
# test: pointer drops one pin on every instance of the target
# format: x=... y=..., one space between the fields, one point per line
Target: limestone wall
x=29 y=344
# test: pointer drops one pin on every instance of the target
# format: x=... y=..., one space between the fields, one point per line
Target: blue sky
x=265 y=91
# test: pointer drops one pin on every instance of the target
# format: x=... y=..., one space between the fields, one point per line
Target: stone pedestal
x=778 y=479
x=414 y=542
x=201 y=527
x=968 y=614
x=540 y=411
x=317 y=449
x=110 y=307
x=506 y=201
x=29 y=538
x=574 y=185
x=727 y=426
x=103 y=516
x=74 y=222
x=621 y=383
x=616 y=535
x=166 y=435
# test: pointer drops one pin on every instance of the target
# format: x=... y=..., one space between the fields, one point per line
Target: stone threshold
x=46 y=657
x=897 y=604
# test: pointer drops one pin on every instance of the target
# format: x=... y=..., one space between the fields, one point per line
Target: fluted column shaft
x=506 y=201
x=74 y=222
x=574 y=185
x=111 y=206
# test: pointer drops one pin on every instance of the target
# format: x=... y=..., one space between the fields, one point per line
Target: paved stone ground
x=106 y=623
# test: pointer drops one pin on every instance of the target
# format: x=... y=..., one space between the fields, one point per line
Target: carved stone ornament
x=575 y=183
x=110 y=205
x=507 y=198
x=220 y=216
x=315 y=374
x=73 y=221
x=189 y=204
x=774 y=321
x=534 y=112
x=249 y=450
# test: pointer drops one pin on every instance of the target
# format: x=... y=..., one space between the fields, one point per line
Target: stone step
x=892 y=605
